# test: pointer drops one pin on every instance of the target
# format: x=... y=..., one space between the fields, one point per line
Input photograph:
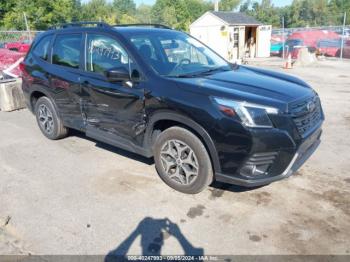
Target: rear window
x=41 y=49
x=66 y=50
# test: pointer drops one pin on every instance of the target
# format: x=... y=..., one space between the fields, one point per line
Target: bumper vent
x=306 y=114
x=262 y=158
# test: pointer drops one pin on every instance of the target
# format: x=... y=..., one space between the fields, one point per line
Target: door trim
x=117 y=141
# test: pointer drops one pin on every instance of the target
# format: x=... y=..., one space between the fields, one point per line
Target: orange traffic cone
x=288 y=64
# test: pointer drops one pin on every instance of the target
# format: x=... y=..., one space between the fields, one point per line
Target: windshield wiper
x=196 y=74
x=212 y=70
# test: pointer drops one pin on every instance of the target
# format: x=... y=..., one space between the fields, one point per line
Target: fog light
x=258 y=164
x=254 y=170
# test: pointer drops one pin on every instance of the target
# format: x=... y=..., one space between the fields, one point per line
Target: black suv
x=161 y=93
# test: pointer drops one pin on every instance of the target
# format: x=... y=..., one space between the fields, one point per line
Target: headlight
x=251 y=115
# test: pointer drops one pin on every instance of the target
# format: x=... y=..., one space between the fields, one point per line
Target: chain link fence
x=326 y=41
x=14 y=39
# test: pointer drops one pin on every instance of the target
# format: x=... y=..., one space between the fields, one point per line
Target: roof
x=233 y=18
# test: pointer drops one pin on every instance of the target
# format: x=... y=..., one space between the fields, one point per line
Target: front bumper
x=303 y=153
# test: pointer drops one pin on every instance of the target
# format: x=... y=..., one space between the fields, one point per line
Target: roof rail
x=80 y=24
x=145 y=25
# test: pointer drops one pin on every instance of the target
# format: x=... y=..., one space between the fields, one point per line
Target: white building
x=233 y=35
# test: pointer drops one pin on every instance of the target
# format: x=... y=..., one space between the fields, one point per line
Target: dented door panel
x=113 y=107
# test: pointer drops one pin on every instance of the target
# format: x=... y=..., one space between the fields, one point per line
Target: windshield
x=176 y=54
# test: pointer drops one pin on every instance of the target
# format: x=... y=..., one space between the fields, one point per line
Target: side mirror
x=119 y=74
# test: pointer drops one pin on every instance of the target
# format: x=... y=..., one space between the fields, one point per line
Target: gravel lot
x=76 y=196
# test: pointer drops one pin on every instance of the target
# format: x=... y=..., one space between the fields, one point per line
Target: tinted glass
x=178 y=50
x=172 y=53
x=42 y=48
x=144 y=43
x=66 y=50
x=104 y=53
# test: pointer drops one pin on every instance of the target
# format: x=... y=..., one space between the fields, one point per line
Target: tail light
x=22 y=67
x=24 y=73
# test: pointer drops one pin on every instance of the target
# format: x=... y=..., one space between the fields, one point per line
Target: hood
x=250 y=84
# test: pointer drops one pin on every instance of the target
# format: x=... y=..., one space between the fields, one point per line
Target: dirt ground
x=76 y=196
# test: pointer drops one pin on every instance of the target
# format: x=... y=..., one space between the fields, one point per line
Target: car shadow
x=153 y=234
x=219 y=186
x=150 y=161
x=113 y=149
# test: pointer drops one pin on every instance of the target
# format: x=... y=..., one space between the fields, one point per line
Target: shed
x=233 y=35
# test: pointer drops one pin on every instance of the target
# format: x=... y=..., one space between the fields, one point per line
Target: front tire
x=48 y=120
x=182 y=161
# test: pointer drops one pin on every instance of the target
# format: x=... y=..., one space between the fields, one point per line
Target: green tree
x=171 y=12
x=96 y=10
x=228 y=5
x=40 y=13
x=125 y=7
x=144 y=14
x=196 y=8
x=245 y=6
x=264 y=12
x=5 y=7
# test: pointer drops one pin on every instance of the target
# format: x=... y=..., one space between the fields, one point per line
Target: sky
x=275 y=2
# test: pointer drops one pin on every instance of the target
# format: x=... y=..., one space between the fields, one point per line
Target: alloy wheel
x=179 y=162
x=46 y=119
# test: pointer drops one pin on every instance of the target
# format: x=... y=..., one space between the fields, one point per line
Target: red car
x=328 y=47
x=346 y=50
x=8 y=58
x=22 y=45
x=310 y=39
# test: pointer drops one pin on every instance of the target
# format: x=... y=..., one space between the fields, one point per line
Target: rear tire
x=182 y=161
x=48 y=120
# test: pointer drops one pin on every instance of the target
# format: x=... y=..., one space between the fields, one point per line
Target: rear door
x=113 y=108
x=65 y=74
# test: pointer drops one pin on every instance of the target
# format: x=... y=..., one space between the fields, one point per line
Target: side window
x=145 y=47
x=42 y=48
x=66 y=50
x=104 y=53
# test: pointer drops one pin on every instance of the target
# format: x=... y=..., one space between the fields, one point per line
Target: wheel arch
x=166 y=119
x=38 y=92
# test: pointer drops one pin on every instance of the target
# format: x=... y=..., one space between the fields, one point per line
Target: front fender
x=190 y=124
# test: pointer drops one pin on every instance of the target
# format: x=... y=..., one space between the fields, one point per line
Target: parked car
x=328 y=47
x=8 y=58
x=308 y=39
x=200 y=117
x=22 y=45
x=276 y=48
x=346 y=50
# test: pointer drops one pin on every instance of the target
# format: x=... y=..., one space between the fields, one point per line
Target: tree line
x=179 y=14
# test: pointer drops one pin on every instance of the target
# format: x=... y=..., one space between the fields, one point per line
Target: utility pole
x=342 y=39
x=216 y=5
x=27 y=27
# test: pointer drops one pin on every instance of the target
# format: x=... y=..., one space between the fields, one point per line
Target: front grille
x=306 y=114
